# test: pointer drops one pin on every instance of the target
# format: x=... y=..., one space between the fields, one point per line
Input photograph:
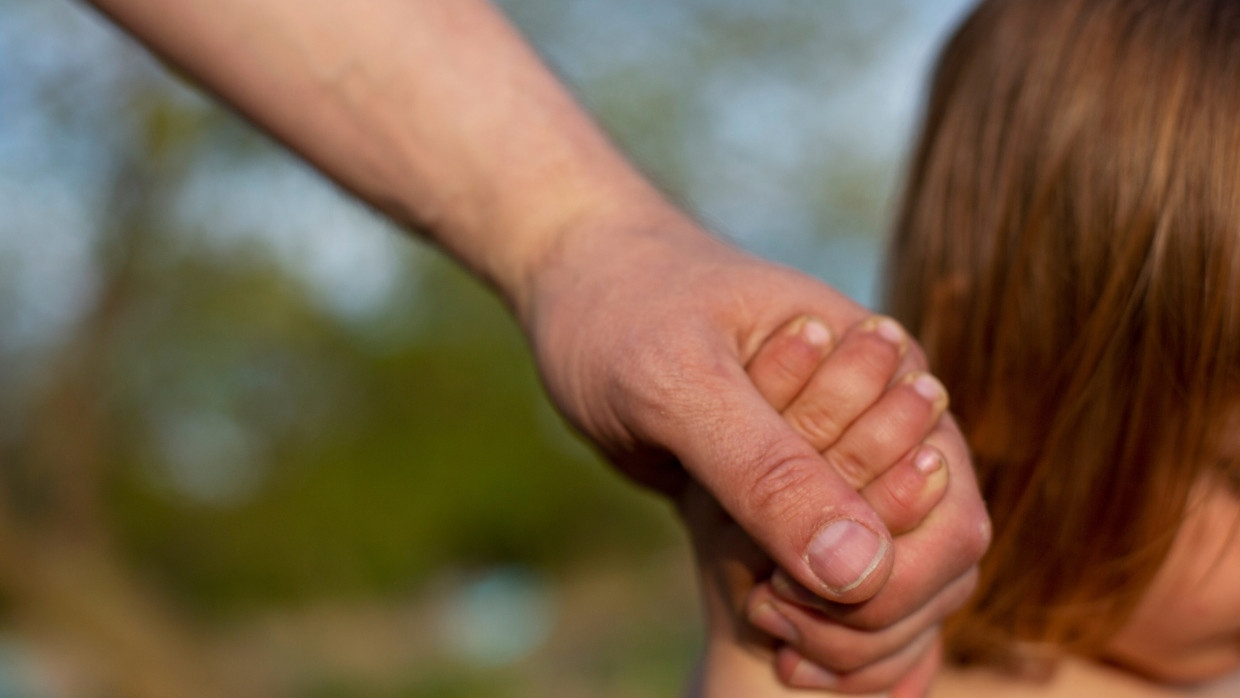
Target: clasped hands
x=803 y=481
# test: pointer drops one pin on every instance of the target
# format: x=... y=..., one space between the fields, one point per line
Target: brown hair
x=1068 y=251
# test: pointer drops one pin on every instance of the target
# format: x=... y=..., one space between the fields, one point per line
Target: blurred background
x=256 y=441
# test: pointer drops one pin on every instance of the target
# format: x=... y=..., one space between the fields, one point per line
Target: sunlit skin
x=1185 y=630
x=1184 y=637
x=641 y=321
x=879 y=421
x=1187 y=626
x=1067 y=251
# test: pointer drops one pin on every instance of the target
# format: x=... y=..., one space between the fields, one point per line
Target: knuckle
x=910 y=414
x=902 y=490
x=815 y=423
x=784 y=377
x=849 y=466
x=878 y=357
x=643 y=375
x=780 y=481
x=985 y=534
x=964 y=539
x=976 y=537
x=792 y=363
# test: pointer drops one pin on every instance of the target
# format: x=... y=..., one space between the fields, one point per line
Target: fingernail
x=815 y=332
x=810 y=675
x=765 y=617
x=927 y=461
x=930 y=388
x=889 y=330
x=844 y=554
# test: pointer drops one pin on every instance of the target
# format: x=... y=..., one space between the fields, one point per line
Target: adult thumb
x=782 y=492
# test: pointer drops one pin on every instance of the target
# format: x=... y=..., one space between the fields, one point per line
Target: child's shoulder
x=1074 y=678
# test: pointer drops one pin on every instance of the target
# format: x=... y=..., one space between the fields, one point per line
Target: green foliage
x=382 y=461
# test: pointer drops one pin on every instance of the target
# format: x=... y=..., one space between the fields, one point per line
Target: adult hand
x=642 y=325
x=889 y=642
x=887 y=452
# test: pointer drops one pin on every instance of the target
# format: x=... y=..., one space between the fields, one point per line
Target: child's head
x=1068 y=252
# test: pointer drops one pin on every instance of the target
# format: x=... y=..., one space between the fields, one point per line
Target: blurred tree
x=59 y=565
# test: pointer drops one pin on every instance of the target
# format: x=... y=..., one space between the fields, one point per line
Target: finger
x=731 y=562
x=779 y=490
x=885 y=432
x=916 y=683
x=905 y=590
x=946 y=545
x=833 y=645
x=904 y=495
x=851 y=379
x=784 y=364
x=800 y=672
x=884 y=611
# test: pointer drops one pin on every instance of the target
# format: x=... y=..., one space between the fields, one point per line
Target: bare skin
x=438 y=114
x=1073 y=677
x=1179 y=641
x=881 y=437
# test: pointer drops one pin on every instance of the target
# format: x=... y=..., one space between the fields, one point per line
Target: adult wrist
x=588 y=239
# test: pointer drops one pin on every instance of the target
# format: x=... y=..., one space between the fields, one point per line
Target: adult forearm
x=435 y=112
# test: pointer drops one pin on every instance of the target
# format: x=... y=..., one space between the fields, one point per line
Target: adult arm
x=441 y=116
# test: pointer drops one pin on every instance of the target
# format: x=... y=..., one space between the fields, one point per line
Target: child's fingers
x=784 y=364
x=731 y=562
x=848 y=382
x=902 y=418
x=879 y=433
x=835 y=648
x=796 y=670
x=916 y=683
x=904 y=494
x=820 y=631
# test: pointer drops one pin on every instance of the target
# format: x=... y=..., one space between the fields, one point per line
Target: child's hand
x=847 y=401
x=870 y=423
